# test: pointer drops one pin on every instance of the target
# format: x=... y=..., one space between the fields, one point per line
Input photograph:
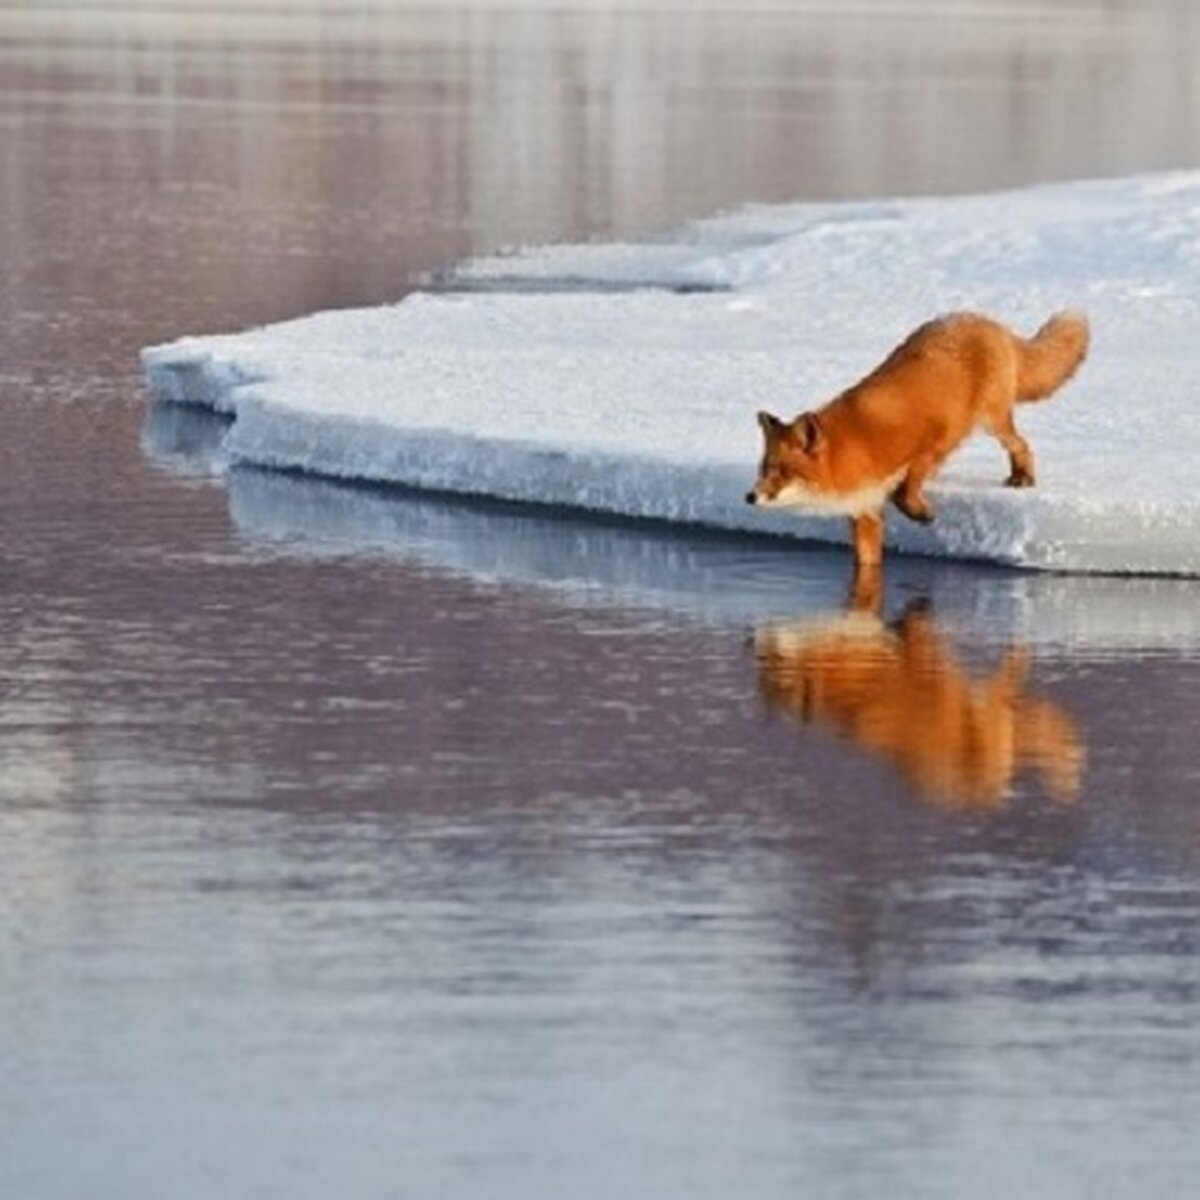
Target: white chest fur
x=867 y=499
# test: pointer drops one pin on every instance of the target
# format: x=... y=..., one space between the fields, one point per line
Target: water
x=364 y=843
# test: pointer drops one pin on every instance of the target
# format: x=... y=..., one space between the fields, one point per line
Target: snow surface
x=630 y=384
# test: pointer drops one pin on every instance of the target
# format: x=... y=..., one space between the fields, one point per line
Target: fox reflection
x=898 y=691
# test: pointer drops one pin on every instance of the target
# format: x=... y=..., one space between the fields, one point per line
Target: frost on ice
x=628 y=383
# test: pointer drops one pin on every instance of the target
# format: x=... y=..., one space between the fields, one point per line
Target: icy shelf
x=638 y=397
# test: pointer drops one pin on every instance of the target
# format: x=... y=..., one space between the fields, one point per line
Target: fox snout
x=765 y=493
x=768 y=490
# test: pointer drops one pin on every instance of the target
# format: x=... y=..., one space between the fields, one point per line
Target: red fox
x=890 y=432
x=898 y=692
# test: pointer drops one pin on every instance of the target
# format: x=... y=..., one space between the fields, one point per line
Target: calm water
x=367 y=844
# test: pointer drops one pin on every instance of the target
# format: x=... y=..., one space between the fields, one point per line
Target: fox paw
x=920 y=511
x=1019 y=479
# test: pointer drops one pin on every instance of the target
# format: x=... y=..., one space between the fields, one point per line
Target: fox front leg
x=908 y=497
x=866 y=534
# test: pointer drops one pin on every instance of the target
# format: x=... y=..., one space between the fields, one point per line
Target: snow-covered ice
x=630 y=384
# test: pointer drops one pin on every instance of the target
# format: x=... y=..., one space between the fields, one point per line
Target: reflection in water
x=185 y=440
x=899 y=691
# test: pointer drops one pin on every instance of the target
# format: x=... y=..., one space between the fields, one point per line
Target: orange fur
x=898 y=692
x=890 y=432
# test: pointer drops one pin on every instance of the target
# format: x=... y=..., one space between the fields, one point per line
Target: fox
x=898 y=691
x=887 y=435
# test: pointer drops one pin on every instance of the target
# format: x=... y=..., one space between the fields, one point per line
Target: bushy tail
x=1048 y=359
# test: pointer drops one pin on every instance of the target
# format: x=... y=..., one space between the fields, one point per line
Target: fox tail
x=1048 y=359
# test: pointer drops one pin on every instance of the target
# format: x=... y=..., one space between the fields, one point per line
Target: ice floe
x=625 y=378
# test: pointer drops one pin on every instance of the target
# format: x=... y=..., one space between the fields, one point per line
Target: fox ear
x=808 y=432
x=768 y=423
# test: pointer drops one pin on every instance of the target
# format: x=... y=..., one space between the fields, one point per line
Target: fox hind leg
x=1020 y=457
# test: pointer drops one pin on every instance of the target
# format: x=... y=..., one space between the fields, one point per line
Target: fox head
x=794 y=469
